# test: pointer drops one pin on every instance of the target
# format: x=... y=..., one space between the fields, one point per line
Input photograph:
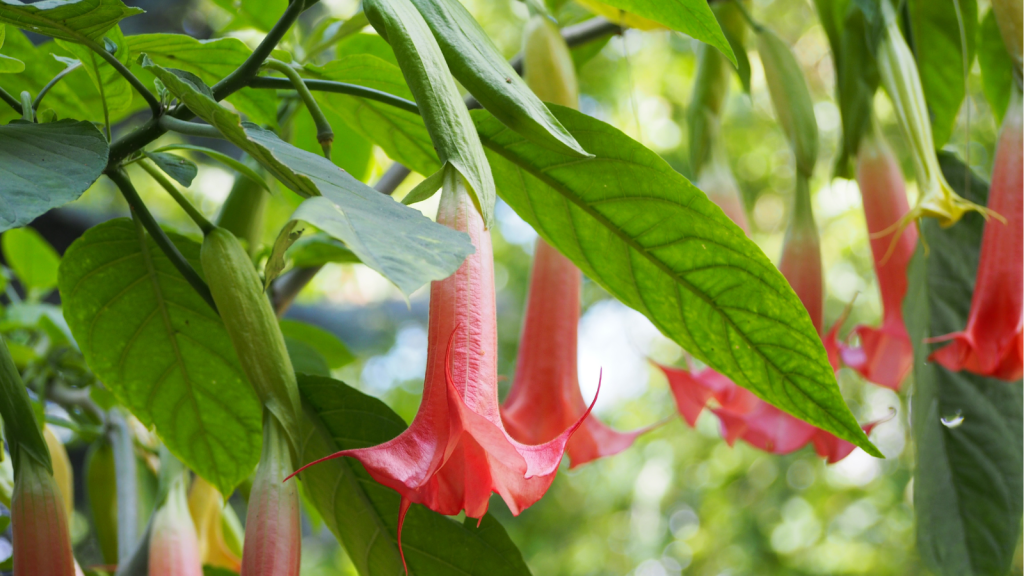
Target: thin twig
x=11 y=101
x=171 y=189
x=154 y=103
x=159 y=236
x=53 y=82
x=248 y=70
x=172 y=124
x=324 y=133
x=338 y=88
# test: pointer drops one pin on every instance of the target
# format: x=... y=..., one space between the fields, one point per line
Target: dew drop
x=953 y=420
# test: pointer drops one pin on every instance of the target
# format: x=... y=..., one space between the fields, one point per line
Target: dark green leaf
x=996 y=66
x=181 y=169
x=440 y=103
x=415 y=252
x=968 y=483
x=364 y=514
x=210 y=60
x=43 y=166
x=109 y=83
x=74 y=20
x=32 y=258
x=401 y=134
x=306 y=359
x=228 y=161
x=157 y=345
x=939 y=51
x=334 y=352
x=654 y=241
x=691 y=17
x=476 y=63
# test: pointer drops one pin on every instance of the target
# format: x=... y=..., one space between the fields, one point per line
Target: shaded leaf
x=43 y=166
x=319 y=249
x=968 y=483
x=110 y=84
x=364 y=514
x=654 y=241
x=32 y=258
x=181 y=169
x=157 y=345
x=306 y=359
x=228 y=161
x=996 y=66
x=74 y=20
x=333 y=351
x=72 y=97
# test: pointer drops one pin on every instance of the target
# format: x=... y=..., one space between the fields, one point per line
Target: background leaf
x=43 y=166
x=968 y=483
x=326 y=344
x=639 y=229
x=181 y=169
x=364 y=514
x=996 y=66
x=73 y=20
x=72 y=97
x=940 y=58
x=109 y=83
x=32 y=258
x=157 y=345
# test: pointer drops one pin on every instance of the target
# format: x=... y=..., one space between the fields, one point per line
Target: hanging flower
x=545 y=397
x=206 y=505
x=457 y=452
x=173 y=547
x=992 y=345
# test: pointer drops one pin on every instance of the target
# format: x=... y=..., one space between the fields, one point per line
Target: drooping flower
x=457 y=452
x=992 y=344
x=173 y=547
x=884 y=355
x=273 y=536
x=206 y=505
x=545 y=397
x=42 y=542
x=801 y=255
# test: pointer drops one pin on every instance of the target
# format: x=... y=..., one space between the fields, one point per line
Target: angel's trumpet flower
x=885 y=354
x=545 y=397
x=173 y=547
x=801 y=255
x=992 y=344
x=42 y=542
x=457 y=451
x=206 y=505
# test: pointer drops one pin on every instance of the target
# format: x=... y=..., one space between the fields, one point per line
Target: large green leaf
x=74 y=20
x=211 y=60
x=112 y=87
x=643 y=232
x=967 y=429
x=401 y=134
x=364 y=514
x=157 y=345
x=413 y=252
x=43 y=166
x=939 y=51
x=475 y=61
x=996 y=66
x=691 y=17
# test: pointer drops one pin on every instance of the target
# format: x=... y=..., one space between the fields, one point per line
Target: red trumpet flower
x=992 y=344
x=545 y=398
x=42 y=545
x=457 y=451
x=273 y=536
x=885 y=355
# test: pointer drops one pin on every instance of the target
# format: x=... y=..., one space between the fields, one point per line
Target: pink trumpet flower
x=42 y=544
x=885 y=355
x=545 y=397
x=992 y=344
x=173 y=545
x=457 y=451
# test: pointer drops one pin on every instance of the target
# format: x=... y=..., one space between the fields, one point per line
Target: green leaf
x=306 y=359
x=32 y=258
x=74 y=20
x=996 y=66
x=691 y=17
x=477 y=64
x=968 y=483
x=938 y=49
x=415 y=251
x=182 y=170
x=319 y=249
x=368 y=44
x=401 y=134
x=72 y=97
x=110 y=84
x=157 y=345
x=441 y=106
x=228 y=161
x=351 y=151
x=259 y=14
x=209 y=570
x=210 y=60
x=364 y=514
x=43 y=166
x=639 y=229
x=8 y=65
x=334 y=351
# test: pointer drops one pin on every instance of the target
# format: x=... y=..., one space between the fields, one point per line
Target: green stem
x=338 y=88
x=324 y=133
x=171 y=189
x=244 y=73
x=159 y=236
x=154 y=104
x=10 y=100
x=27 y=113
x=172 y=124
x=53 y=82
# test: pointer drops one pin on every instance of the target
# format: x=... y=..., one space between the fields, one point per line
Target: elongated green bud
x=547 y=64
x=252 y=327
x=790 y=98
x=101 y=488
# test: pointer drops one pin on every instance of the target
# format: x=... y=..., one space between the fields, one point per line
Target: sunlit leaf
x=74 y=20
x=32 y=258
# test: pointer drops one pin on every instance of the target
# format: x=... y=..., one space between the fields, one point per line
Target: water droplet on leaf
x=953 y=420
